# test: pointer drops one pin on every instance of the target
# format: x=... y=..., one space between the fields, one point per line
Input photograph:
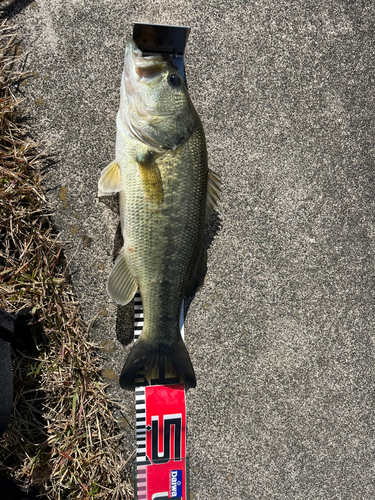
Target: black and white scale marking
x=140 y=400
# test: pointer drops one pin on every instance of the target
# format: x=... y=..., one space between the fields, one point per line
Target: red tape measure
x=161 y=467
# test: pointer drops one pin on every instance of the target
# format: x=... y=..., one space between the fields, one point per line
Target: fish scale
x=164 y=244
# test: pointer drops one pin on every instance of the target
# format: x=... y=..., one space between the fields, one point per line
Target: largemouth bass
x=166 y=194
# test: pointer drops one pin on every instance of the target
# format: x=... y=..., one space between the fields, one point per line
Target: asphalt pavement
x=281 y=335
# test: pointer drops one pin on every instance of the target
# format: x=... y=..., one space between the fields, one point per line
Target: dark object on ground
x=23 y=334
x=6 y=388
x=12 y=490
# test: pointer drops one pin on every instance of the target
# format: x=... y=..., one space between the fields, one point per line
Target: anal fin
x=121 y=286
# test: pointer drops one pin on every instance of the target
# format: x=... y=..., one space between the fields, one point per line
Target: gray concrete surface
x=281 y=335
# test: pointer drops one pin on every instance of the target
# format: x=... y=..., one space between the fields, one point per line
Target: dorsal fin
x=213 y=191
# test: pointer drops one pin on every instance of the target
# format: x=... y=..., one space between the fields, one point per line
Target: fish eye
x=174 y=80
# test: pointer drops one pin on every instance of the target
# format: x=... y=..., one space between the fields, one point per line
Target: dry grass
x=61 y=437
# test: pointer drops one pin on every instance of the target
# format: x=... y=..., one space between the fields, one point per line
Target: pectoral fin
x=150 y=176
x=121 y=286
x=213 y=191
x=110 y=180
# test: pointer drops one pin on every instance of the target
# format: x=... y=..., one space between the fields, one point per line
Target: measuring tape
x=161 y=467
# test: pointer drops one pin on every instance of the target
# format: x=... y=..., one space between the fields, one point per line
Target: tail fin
x=162 y=358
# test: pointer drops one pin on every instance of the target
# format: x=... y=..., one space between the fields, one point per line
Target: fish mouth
x=140 y=114
x=141 y=68
x=140 y=74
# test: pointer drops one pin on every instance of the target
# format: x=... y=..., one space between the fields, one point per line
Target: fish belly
x=162 y=240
